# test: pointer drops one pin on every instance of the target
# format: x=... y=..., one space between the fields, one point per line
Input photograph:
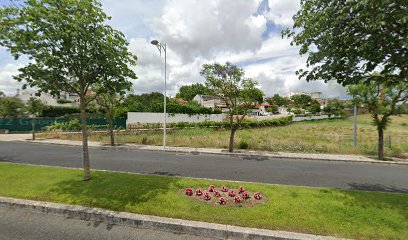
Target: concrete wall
x=144 y=117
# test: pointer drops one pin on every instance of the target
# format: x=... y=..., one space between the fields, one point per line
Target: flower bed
x=225 y=196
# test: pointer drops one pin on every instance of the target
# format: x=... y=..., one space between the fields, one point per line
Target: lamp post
x=163 y=47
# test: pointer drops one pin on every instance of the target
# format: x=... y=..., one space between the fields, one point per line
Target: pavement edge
x=196 y=228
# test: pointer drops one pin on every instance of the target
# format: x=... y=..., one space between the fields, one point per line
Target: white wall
x=144 y=117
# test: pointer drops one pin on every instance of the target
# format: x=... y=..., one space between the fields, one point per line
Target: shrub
x=243 y=145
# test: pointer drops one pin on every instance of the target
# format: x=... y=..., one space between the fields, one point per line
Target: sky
x=246 y=33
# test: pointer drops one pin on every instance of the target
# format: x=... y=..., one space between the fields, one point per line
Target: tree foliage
x=382 y=101
x=11 y=107
x=239 y=93
x=34 y=106
x=72 y=49
x=302 y=100
x=347 y=41
x=334 y=107
x=188 y=92
x=278 y=100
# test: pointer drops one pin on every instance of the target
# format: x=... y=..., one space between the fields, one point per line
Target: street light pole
x=163 y=47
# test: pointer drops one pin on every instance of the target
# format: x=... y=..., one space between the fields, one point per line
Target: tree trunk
x=33 y=128
x=112 y=137
x=231 y=143
x=85 y=151
x=380 y=143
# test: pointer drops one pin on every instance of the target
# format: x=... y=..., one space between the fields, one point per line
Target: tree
x=347 y=41
x=382 y=100
x=72 y=48
x=334 y=107
x=11 y=107
x=146 y=102
x=2 y=95
x=302 y=100
x=110 y=102
x=189 y=92
x=239 y=93
x=34 y=107
x=278 y=100
x=314 y=107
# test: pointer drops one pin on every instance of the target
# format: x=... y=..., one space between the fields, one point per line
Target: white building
x=47 y=99
x=208 y=100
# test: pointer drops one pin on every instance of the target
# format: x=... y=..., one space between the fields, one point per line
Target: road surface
x=23 y=224
x=314 y=173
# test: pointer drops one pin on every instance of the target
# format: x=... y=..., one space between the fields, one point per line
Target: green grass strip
x=322 y=211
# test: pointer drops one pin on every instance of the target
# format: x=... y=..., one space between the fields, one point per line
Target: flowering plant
x=245 y=195
x=241 y=189
x=189 y=191
x=222 y=200
x=211 y=188
x=199 y=192
x=207 y=196
x=216 y=193
x=237 y=199
x=257 y=196
x=231 y=193
x=224 y=189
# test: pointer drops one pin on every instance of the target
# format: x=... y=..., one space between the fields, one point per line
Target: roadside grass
x=324 y=136
x=322 y=211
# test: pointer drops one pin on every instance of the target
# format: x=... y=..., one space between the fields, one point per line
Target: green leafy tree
x=2 y=95
x=73 y=48
x=278 y=100
x=34 y=107
x=302 y=100
x=146 y=102
x=334 y=107
x=314 y=107
x=189 y=92
x=11 y=107
x=239 y=93
x=346 y=41
x=110 y=102
x=382 y=100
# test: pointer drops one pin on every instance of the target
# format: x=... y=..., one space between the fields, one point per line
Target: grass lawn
x=323 y=211
x=326 y=136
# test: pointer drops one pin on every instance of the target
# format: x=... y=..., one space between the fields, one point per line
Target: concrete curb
x=203 y=229
x=313 y=157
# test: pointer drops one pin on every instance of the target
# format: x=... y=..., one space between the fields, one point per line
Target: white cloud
x=7 y=84
x=281 y=12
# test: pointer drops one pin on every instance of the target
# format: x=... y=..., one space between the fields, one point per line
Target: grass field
x=323 y=211
x=325 y=136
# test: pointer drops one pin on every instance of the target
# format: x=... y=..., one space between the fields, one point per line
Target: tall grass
x=325 y=136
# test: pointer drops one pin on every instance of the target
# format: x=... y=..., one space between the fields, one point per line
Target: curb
x=236 y=154
x=203 y=229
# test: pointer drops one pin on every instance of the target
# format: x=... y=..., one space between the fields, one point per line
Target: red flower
x=211 y=188
x=224 y=189
x=216 y=193
x=222 y=200
x=241 y=189
x=199 y=192
x=245 y=195
x=189 y=191
x=237 y=199
x=257 y=196
x=207 y=196
x=231 y=193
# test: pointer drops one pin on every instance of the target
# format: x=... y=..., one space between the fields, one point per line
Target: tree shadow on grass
x=377 y=188
x=113 y=191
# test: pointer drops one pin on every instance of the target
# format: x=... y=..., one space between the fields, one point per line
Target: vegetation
x=323 y=211
x=334 y=107
x=90 y=54
x=279 y=101
x=323 y=136
x=382 y=101
x=189 y=92
x=344 y=40
x=11 y=107
x=239 y=93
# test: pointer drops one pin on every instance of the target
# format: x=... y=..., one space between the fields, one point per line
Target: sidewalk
x=217 y=151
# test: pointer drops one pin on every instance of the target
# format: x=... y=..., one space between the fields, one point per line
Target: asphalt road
x=315 y=173
x=23 y=224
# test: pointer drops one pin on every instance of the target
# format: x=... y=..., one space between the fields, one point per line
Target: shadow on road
x=377 y=188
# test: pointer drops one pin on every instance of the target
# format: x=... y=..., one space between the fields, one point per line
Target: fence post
x=389 y=142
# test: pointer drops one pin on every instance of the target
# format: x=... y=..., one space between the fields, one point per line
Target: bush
x=52 y=111
x=63 y=101
x=243 y=145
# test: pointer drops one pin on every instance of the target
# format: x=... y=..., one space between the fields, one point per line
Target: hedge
x=245 y=124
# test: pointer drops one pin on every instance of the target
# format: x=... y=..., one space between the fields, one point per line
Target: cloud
x=281 y=12
x=7 y=84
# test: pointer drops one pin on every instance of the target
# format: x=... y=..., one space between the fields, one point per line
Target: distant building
x=208 y=101
x=49 y=100
x=313 y=95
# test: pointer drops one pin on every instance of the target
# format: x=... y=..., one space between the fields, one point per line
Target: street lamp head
x=155 y=42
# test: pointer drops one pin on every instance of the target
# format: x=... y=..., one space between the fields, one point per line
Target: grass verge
x=322 y=211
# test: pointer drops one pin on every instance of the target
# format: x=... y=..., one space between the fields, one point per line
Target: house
x=65 y=99
x=208 y=101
